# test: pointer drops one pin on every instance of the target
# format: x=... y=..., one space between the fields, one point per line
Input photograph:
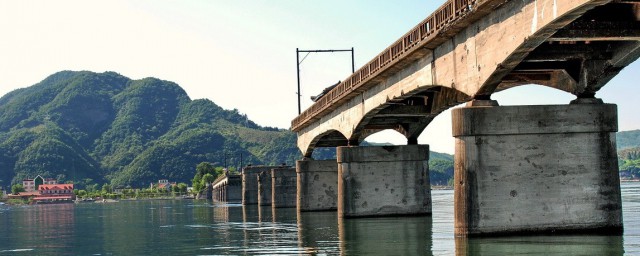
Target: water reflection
x=541 y=245
x=182 y=227
x=318 y=232
x=54 y=224
x=385 y=236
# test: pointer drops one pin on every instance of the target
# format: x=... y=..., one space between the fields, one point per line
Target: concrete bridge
x=227 y=188
x=558 y=162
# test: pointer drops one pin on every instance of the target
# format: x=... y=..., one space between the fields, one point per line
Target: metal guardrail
x=425 y=31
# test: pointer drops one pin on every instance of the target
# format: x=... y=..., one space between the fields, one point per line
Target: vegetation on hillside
x=628 y=139
x=629 y=163
x=91 y=128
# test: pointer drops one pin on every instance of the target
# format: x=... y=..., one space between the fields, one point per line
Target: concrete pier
x=250 y=183
x=536 y=169
x=227 y=188
x=283 y=189
x=317 y=185
x=264 y=188
x=383 y=181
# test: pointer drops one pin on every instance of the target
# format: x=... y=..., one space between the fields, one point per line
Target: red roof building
x=163 y=184
x=55 y=193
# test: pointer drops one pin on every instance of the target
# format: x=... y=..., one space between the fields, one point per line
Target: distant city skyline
x=239 y=54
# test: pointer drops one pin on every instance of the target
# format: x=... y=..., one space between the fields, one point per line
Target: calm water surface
x=185 y=227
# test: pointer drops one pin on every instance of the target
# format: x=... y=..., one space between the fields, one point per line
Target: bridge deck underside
x=577 y=51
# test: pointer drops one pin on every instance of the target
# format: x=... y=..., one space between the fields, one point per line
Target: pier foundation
x=383 y=181
x=536 y=169
x=250 y=183
x=264 y=188
x=317 y=185
x=284 y=182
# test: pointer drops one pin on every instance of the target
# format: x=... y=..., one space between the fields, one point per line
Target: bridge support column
x=317 y=185
x=250 y=183
x=536 y=169
x=383 y=181
x=284 y=186
x=264 y=188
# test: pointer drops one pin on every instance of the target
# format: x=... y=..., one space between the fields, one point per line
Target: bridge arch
x=566 y=52
x=330 y=138
x=410 y=114
x=532 y=94
x=391 y=136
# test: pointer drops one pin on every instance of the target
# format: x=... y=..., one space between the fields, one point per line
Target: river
x=187 y=227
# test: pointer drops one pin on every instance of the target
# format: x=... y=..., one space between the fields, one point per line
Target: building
x=24 y=195
x=163 y=184
x=31 y=185
x=55 y=193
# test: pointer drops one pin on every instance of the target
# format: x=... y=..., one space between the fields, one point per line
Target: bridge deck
x=446 y=21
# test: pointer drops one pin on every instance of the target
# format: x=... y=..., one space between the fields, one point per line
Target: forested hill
x=90 y=127
x=628 y=139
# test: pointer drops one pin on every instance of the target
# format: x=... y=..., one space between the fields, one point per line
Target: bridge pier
x=317 y=185
x=536 y=169
x=227 y=188
x=250 y=183
x=383 y=181
x=283 y=180
x=264 y=188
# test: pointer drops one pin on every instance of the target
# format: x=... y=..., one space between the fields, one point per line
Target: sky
x=240 y=54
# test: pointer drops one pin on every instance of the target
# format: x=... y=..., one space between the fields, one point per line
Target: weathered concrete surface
x=317 y=185
x=383 y=181
x=264 y=188
x=250 y=183
x=234 y=190
x=228 y=188
x=527 y=169
x=284 y=182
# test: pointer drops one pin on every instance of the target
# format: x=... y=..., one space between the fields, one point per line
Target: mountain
x=90 y=127
x=628 y=139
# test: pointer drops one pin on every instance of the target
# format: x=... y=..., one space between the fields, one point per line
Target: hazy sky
x=239 y=54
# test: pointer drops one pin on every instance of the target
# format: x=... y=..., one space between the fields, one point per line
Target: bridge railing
x=424 y=32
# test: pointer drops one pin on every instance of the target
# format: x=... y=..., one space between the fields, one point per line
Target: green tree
x=106 y=188
x=81 y=193
x=197 y=184
x=181 y=187
x=208 y=178
x=92 y=188
x=204 y=168
x=17 y=188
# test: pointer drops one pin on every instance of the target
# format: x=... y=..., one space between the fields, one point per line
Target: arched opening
x=532 y=94
x=323 y=146
x=438 y=133
x=622 y=90
x=386 y=137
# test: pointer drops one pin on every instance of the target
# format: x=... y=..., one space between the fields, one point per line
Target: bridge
x=507 y=159
x=227 y=188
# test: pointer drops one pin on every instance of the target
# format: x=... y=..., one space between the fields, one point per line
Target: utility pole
x=298 y=62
